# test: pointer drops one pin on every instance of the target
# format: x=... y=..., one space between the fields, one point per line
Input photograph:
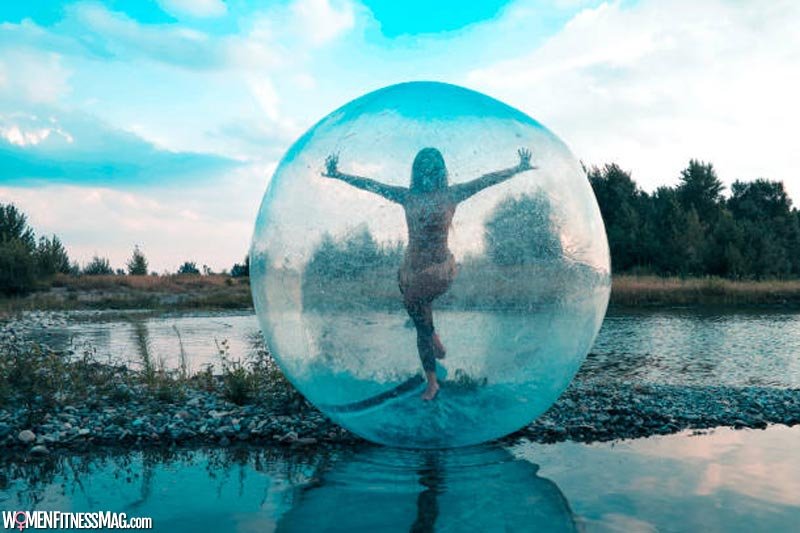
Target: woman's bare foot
x=439 y=348
x=432 y=388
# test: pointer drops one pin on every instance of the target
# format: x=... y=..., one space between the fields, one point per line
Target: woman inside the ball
x=428 y=267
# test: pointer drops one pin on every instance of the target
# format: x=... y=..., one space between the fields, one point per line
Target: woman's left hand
x=524 y=159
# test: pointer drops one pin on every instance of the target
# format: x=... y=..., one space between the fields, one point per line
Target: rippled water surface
x=672 y=346
x=723 y=481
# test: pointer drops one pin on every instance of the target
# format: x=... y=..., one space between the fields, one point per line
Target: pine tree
x=137 y=265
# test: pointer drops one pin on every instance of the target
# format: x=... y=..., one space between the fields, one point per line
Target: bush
x=189 y=267
x=241 y=270
x=98 y=266
x=238 y=383
x=32 y=375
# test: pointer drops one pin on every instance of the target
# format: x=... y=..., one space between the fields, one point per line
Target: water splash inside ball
x=429 y=266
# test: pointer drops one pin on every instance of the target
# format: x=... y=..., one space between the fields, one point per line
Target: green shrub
x=98 y=266
x=189 y=267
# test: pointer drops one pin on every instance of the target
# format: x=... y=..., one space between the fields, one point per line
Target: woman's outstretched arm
x=463 y=191
x=391 y=193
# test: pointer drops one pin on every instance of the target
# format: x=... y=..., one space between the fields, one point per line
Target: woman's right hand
x=331 y=166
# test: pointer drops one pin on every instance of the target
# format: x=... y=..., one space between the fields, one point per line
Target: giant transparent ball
x=429 y=266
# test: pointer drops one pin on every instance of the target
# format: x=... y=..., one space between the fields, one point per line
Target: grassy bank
x=643 y=291
x=219 y=292
x=180 y=291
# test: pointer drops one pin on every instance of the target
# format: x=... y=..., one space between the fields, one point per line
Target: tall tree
x=51 y=256
x=18 y=267
x=700 y=189
x=14 y=227
x=621 y=205
x=137 y=264
x=759 y=200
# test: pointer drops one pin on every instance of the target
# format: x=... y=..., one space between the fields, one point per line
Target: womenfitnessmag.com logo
x=22 y=520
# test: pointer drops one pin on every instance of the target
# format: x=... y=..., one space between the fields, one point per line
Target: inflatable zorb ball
x=429 y=266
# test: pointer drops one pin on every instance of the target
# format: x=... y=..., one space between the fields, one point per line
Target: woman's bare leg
x=432 y=388
x=421 y=314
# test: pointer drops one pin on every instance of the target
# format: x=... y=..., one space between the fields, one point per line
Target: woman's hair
x=428 y=172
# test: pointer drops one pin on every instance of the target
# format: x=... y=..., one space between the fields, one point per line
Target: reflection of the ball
x=429 y=266
x=483 y=489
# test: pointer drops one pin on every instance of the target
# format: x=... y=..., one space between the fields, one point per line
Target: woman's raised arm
x=392 y=193
x=463 y=191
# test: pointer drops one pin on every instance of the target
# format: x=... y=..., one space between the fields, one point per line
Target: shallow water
x=665 y=346
x=723 y=481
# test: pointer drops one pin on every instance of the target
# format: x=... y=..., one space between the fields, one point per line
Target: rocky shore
x=118 y=407
x=583 y=413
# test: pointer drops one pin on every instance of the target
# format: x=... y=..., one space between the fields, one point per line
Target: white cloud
x=22 y=130
x=120 y=36
x=653 y=85
x=195 y=8
x=52 y=145
x=211 y=226
x=320 y=21
x=31 y=75
x=275 y=37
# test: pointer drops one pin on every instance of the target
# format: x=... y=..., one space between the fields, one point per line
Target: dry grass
x=224 y=292
x=175 y=283
x=653 y=290
x=136 y=292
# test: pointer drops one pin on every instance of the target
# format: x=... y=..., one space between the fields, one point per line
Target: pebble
x=26 y=436
x=39 y=450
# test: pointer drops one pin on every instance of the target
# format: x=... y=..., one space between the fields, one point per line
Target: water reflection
x=724 y=481
x=481 y=489
x=375 y=489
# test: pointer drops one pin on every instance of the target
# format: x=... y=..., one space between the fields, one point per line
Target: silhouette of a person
x=428 y=267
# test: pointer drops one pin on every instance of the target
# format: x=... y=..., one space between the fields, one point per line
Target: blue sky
x=159 y=123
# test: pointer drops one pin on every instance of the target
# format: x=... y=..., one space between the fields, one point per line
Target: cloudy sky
x=159 y=123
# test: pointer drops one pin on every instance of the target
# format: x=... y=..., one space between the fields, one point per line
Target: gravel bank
x=584 y=413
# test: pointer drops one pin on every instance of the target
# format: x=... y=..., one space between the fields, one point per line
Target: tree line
x=693 y=229
x=27 y=262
